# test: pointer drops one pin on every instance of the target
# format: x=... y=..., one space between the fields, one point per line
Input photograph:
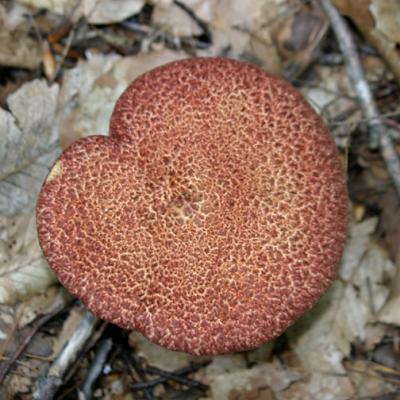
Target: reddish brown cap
x=213 y=216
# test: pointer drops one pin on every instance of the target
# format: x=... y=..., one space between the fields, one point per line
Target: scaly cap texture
x=212 y=217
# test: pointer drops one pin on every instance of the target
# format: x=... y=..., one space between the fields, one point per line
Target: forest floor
x=63 y=64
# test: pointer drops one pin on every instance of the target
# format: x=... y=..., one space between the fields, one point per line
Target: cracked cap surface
x=211 y=218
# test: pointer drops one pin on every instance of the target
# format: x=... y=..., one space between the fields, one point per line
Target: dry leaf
x=252 y=382
x=322 y=337
x=53 y=298
x=24 y=275
x=321 y=386
x=367 y=380
x=387 y=18
x=225 y=364
x=27 y=128
x=159 y=356
x=332 y=96
x=240 y=31
x=95 y=11
x=298 y=36
x=40 y=304
x=174 y=19
x=237 y=30
x=360 y=12
x=29 y=145
x=109 y=11
x=390 y=313
x=75 y=120
x=24 y=271
x=17 y=49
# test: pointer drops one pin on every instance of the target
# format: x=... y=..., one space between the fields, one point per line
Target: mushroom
x=212 y=217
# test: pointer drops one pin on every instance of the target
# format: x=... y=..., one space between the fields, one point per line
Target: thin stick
x=97 y=366
x=135 y=368
x=354 y=68
x=179 y=372
x=47 y=387
x=379 y=135
x=35 y=326
x=177 y=378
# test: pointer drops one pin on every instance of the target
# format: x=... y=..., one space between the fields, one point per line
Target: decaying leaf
x=27 y=129
x=316 y=362
x=17 y=49
x=387 y=18
x=323 y=337
x=297 y=37
x=237 y=31
x=75 y=121
x=40 y=348
x=159 y=357
x=255 y=382
x=172 y=18
x=108 y=11
x=367 y=379
x=29 y=145
x=25 y=272
x=365 y=14
x=54 y=298
x=390 y=313
x=95 y=11
x=321 y=385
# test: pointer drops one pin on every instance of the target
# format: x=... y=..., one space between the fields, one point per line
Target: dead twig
x=72 y=370
x=47 y=386
x=379 y=135
x=64 y=53
x=176 y=376
x=136 y=370
x=96 y=368
x=36 y=325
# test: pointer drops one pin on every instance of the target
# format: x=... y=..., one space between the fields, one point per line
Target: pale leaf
x=322 y=338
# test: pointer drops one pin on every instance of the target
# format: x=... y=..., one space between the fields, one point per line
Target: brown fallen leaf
x=298 y=36
x=172 y=18
x=29 y=145
x=95 y=11
x=367 y=380
x=49 y=62
x=268 y=379
x=387 y=18
x=24 y=271
x=17 y=49
x=156 y=356
x=237 y=29
x=323 y=337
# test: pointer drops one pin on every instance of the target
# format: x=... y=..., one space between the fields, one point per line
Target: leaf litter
x=325 y=355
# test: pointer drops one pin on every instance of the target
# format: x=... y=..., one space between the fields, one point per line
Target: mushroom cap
x=211 y=218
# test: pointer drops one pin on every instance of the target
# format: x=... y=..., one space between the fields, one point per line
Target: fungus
x=211 y=218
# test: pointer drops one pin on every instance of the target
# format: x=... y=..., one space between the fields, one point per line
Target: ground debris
x=62 y=66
